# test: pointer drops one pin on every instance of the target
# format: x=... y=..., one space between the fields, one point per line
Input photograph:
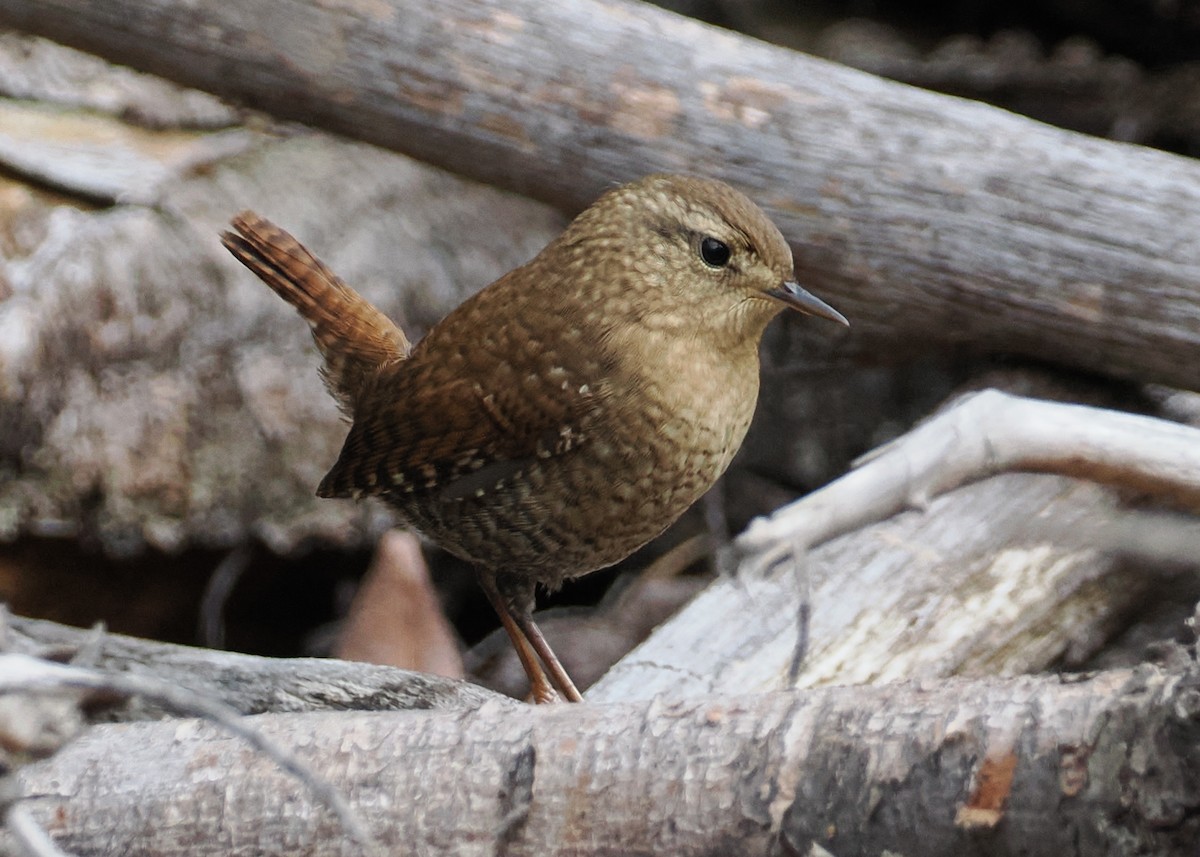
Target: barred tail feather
x=354 y=337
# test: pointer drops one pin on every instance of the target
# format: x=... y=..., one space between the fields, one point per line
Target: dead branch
x=1034 y=766
x=251 y=684
x=993 y=578
x=23 y=678
x=984 y=434
x=932 y=221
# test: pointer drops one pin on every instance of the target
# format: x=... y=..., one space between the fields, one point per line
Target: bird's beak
x=792 y=295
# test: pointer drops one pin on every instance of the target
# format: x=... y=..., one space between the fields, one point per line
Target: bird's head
x=675 y=250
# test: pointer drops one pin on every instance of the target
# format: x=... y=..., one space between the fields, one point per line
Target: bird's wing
x=456 y=434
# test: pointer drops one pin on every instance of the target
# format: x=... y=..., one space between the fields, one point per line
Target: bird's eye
x=715 y=253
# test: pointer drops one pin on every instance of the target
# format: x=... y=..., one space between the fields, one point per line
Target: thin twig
x=216 y=594
x=29 y=834
x=803 y=612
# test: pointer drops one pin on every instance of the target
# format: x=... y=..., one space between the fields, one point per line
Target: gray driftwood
x=1034 y=766
x=969 y=585
x=1010 y=575
x=246 y=683
x=931 y=221
x=152 y=392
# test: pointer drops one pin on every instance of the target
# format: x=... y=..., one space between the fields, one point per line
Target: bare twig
x=220 y=586
x=803 y=612
x=249 y=683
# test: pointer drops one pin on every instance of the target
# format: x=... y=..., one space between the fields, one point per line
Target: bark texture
x=153 y=394
x=1017 y=573
x=933 y=222
x=1033 y=766
x=246 y=683
x=148 y=398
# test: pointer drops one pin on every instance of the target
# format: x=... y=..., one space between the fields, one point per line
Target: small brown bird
x=569 y=412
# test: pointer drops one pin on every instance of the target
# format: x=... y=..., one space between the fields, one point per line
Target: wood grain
x=931 y=221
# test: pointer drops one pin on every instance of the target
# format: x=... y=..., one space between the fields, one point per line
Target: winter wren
x=569 y=412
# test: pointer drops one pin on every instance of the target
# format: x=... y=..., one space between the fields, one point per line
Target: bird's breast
x=665 y=435
x=663 y=429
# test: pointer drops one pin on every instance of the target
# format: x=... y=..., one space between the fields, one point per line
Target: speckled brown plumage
x=569 y=412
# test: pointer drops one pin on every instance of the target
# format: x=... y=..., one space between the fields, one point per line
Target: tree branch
x=1034 y=766
x=931 y=221
x=248 y=683
x=23 y=677
x=1007 y=575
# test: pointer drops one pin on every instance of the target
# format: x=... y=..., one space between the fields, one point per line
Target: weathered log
x=152 y=393
x=933 y=222
x=1032 y=766
x=1009 y=575
x=246 y=683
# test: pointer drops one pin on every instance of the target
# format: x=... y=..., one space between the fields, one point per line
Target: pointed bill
x=797 y=298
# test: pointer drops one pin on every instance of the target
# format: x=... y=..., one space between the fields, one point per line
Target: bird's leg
x=539 y=685
x=559 y=675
